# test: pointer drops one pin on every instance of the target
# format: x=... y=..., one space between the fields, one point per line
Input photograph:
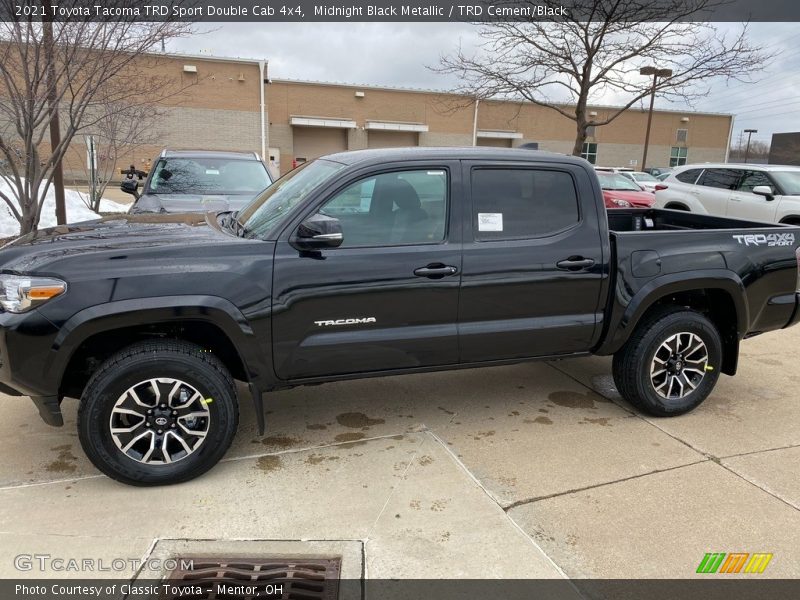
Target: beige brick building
x=223 y=108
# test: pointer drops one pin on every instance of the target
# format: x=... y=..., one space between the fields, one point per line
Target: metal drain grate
x=277 y=578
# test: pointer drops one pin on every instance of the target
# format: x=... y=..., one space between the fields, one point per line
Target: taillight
x=661 y=186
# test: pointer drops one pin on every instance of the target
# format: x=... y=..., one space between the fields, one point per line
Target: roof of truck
x=212 y=154
x=448 y=153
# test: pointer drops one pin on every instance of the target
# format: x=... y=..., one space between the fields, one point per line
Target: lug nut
x=173 y=425
x=160 y=432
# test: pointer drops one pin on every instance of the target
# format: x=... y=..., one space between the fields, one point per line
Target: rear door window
x=519 y=203
x=688 y=176
x=724 y=179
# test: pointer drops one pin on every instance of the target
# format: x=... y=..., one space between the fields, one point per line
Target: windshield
x=789 y=181
x=263 y=213
x=615 y=181
x=199 y=175
x=642 y=176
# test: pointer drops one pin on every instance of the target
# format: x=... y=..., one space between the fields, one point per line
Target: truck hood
x=112 y=233
x=182 y=203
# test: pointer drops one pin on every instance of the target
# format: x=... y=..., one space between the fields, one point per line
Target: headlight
x=620 y=203
x=20 y=293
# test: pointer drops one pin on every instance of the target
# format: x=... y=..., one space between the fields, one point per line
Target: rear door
x=714 y=189
x=387 y=298
x=533 y=262
x=744 y=204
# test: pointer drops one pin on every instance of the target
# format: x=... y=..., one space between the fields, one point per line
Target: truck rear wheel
x=158 y=412
x=670 y=364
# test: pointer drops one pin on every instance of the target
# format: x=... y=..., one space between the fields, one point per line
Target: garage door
x=392 y=139
x=312 y=142
x=495 y=142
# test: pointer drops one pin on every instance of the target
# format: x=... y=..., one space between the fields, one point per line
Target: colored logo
x=734 y=562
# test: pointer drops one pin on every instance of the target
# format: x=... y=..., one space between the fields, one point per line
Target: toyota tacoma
x=370 y=263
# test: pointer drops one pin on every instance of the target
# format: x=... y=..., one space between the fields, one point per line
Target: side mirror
x=764 y=190
x=130 y=186
x=318 y=232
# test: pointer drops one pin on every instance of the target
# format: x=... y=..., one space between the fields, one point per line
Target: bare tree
x=597 y=50
x=757 y=152
x=120 y=129
x=84 y=71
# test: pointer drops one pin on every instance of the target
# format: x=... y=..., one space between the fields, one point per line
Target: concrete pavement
x=526 y=471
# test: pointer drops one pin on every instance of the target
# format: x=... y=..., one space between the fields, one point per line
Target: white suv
x=769 y=193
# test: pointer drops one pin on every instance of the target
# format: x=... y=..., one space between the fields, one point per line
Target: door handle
x=575 y=263
x=435 y=271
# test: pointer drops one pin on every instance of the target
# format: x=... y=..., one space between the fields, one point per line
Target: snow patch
x=76 y=209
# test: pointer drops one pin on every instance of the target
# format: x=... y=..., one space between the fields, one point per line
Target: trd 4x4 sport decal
x=768 y=239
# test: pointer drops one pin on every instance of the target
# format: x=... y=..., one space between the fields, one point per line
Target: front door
x=744 y=204
x=533 y=263
x=387 y=298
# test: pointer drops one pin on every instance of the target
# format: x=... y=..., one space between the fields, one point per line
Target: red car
x=621 y=192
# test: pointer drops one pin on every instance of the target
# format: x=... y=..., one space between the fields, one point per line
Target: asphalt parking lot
x=532 y=470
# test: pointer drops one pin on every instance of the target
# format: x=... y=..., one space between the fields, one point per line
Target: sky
x=399 y=54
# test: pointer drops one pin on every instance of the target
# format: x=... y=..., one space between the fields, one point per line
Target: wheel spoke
x=688 y=381
x=123 y=430
x=136 y=439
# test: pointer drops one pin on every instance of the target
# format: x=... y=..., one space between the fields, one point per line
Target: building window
x=589 y=152
x=590 y=131
x=681 y=136
x=677 y=156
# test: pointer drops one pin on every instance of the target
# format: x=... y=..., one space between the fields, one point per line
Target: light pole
x=656 y=73
x=749 y=133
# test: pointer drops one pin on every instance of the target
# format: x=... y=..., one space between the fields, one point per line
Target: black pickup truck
x=370 y=263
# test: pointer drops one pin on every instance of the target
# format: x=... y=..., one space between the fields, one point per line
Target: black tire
x=139 y=363
x=632 y=364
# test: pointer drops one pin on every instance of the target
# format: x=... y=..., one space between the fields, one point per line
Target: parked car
x=663 y=176
x=658 y=171
x=375 y=262
x=769 y=193
x=645 y=180
x=199 y=181
x=620 y=192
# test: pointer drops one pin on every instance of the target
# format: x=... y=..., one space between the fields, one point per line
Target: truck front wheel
x=158 y=412
x=670 y=364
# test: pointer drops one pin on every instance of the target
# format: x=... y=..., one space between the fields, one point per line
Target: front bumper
x=26 y=341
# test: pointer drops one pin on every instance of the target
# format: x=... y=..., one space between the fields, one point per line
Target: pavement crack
x=518 y=503
x=307 y=448
x=494 y=499
x=411 y=462
x=614 y=401
x=711 y=457
x=787 y=447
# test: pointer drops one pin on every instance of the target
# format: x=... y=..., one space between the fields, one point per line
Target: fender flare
x=664 y=285
x=144 y=311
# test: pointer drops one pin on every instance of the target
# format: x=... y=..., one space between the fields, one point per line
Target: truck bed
x=655 y=219
x=680 y=250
